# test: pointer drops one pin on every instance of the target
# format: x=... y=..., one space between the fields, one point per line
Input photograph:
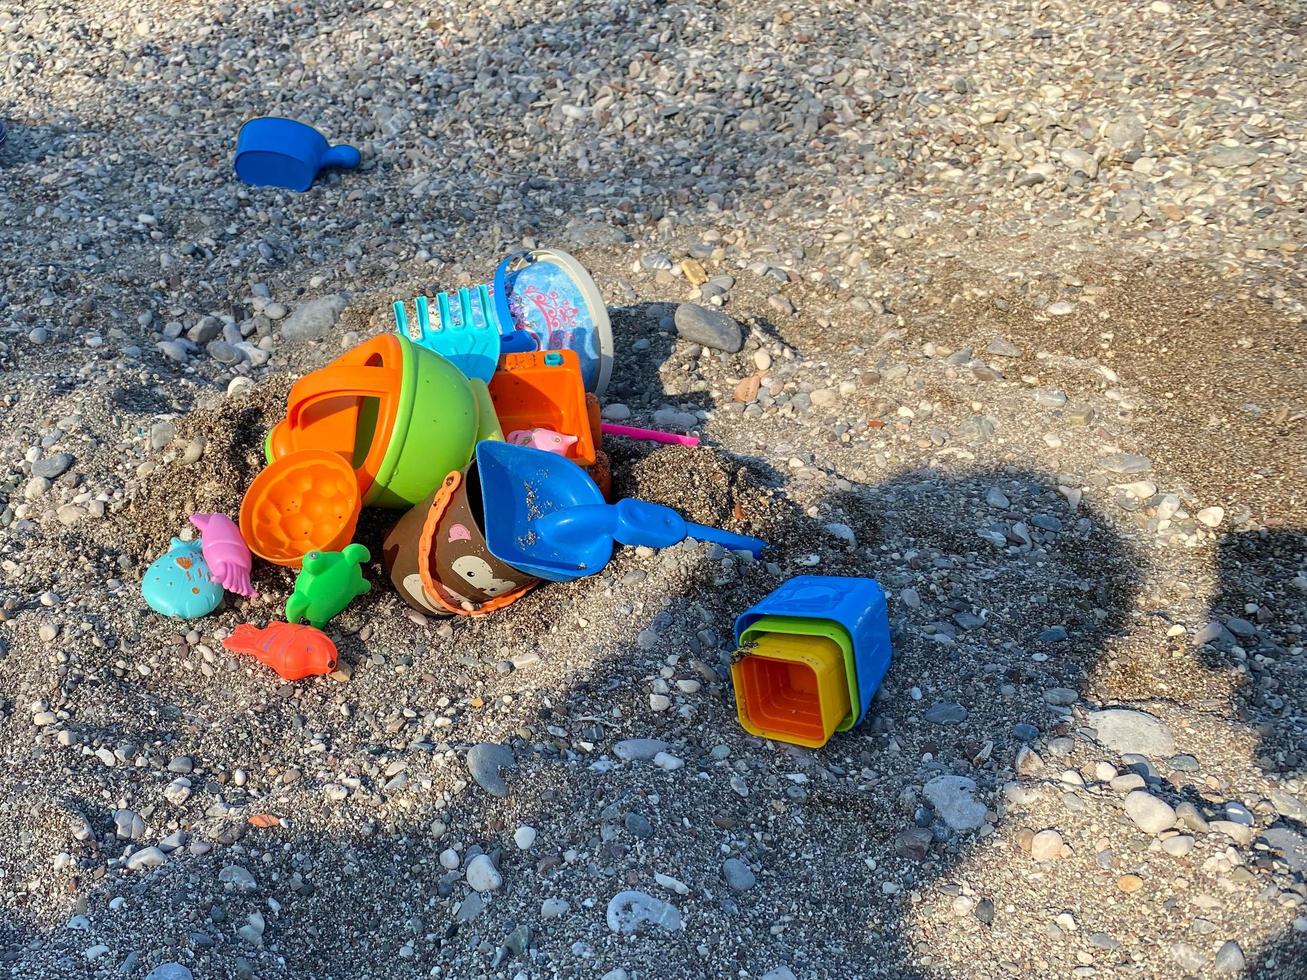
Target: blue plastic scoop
x=276 y=152
x=542 y=514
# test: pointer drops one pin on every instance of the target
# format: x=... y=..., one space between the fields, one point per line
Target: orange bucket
x=305 y=501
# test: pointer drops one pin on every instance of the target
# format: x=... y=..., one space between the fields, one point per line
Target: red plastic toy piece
x=292 y=650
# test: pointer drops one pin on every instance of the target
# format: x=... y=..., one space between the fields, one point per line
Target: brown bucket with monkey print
x=458 y=571
x=400 y=553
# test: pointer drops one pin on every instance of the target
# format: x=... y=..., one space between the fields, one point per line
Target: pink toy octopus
x=225 y=552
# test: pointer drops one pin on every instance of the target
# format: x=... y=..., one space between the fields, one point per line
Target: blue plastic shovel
x=542 y=514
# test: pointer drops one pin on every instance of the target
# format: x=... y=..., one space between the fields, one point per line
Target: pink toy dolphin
x=546 y=439
x=225 y=552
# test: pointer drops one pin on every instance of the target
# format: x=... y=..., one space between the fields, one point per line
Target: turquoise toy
x=178 y=583
x=328 y=582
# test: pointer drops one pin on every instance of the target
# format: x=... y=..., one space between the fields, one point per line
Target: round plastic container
x=551 y=296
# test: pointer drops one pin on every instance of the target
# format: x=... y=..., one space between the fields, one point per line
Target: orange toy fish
x=292 y=650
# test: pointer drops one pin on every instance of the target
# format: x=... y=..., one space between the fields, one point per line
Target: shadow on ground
x=1263 y=613
x=358 y=882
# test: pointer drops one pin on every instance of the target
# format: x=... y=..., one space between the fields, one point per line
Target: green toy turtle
x=327 y=583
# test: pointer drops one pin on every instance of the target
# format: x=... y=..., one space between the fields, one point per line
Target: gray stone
x=174 y=350
x=1229 y=958
x=53 y=467
x=1179 y=845
x=946 y=713
x=239 y=878
x=1002 y=347
x=1150 y=814
x=1126 y=463
x=779 y=973
x=128 y=824
x=1126 y=132
x=1237 y=625
x=616 y=412
x=841 y=531
x=1188 y=956
x=639 y=749
x=1231 y=157
x=485 y=761
x=1288 y=805
x=312 y=320
x=597 y=233
x=224 y=353
x=1046 y=846
x=553 y=908
x=954 y=799
x=1289 y=845
x=738 y=875
x=1125 y=730
x=170 y=971
x=206 y=329
x=146 y=858
x=1216 y=635
x=470 y=907
x=162 y=434
x=1237 y=832
x=252 y=931
x=1189 y=817
x=638 y=825
x=711 y=328
x=630 y=911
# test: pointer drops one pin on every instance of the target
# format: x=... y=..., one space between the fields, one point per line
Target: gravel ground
x=1022 y=300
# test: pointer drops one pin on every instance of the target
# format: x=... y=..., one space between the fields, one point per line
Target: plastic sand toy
x=327 y=583
x=649 y=435
x=225 y=552
x=464 y=329
x=812 y=655
x=792 y=688
x=292 y=651
x=545 y=516
x=546 y=439
x=437 y=558
x=307 y=501
x=276 y=152
x=399 y=415
x=544 y=390
x=178 y=583
x=549 y=295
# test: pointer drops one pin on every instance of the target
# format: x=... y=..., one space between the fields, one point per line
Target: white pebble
x=482 y=874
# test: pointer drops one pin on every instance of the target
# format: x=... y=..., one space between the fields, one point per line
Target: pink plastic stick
x=648 y=435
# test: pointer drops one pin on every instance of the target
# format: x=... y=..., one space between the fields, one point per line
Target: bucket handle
x=502 y=313
x=327 y=383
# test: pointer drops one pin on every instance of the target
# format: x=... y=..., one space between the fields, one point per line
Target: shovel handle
x=736 y=542
x=648 y=435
